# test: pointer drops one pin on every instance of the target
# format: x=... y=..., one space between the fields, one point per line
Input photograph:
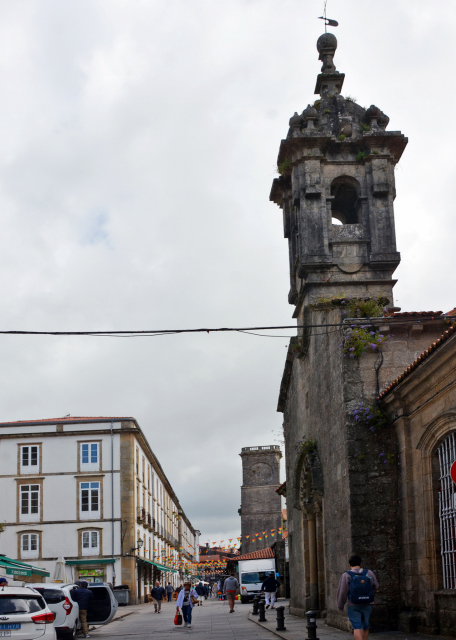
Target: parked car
x=24 y=615
x=66 y=610
x=102 y=608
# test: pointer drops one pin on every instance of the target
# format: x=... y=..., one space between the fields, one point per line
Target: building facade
x=349 y=470
x=91 y=491
x=261 y=505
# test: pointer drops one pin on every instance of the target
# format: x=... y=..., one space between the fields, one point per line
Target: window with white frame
x=29 y=502
x=30 y=545
x=90 y=456
x=30 y=458
x=90 y=499
x=447 y=510
x=90 y=543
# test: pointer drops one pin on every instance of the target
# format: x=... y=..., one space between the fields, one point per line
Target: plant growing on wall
x=306 y=446
x=361 y=338
x=371 y=416
x=284 y=166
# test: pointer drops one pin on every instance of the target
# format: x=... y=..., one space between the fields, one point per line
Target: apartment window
x=29 y=498
x=90 y=543
x=90 y=499
x=29 y=545
x=30 y=458
x=90 y=456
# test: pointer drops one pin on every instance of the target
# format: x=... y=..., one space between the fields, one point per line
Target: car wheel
x=71 y=635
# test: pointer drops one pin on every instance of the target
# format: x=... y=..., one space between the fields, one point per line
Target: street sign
x=453 y=471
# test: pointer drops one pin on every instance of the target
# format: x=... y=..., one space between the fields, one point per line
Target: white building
x=92 y=491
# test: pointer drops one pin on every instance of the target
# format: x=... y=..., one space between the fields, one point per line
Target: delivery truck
x=252 y=574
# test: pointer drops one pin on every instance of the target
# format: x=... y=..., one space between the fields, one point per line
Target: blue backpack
x=361 y=590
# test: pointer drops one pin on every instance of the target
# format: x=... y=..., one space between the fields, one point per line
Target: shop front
x=92 y=570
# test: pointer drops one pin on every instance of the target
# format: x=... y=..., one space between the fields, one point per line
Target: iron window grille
x=447 y=511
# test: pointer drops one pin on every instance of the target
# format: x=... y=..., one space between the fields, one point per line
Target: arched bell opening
x=345 y=204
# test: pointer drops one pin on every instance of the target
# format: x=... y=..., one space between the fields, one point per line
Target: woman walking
x=185 y=600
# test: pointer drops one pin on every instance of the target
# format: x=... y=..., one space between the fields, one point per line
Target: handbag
x=178 y=619
x=193 y=599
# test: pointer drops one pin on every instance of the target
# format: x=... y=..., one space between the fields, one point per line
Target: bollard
x=312 y=625
x=281 y=619
x=261 y=617
x=256 y=602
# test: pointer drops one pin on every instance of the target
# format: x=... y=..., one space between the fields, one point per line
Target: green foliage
x=306 y=446
x=284 y=166
x=317 y=104
x=365 y=307
x=342 y=136
x=361 y=155
x=350 y=99
x=375 y=152
x=361 y=338
x=364 y=127
x=326 y=111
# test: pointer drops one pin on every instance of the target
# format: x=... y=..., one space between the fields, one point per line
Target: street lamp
x=139 y=544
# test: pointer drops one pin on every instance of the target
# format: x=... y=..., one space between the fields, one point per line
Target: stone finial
x=327 y=45
x=310 y=114
x=378 y=119
x=295 y=121
x=329 y=81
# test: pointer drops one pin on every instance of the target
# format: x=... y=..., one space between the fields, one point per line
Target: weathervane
x=328 y=21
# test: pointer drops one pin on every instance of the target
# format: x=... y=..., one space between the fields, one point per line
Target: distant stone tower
x=261 y=506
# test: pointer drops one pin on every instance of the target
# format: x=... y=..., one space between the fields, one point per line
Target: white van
x=252 y=574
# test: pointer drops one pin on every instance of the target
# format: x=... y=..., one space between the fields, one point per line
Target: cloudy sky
x=138 y=142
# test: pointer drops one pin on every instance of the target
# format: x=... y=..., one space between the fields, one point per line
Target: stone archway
x=309 y=500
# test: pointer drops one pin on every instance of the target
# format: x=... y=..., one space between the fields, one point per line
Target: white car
x=102 y=608
x=24 y=615
x=66 y=610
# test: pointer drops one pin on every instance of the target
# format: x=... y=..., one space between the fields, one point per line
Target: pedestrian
x=169 y=591
x=200 y=590
x=82 y=595
x=230 y=586
x=270 y=586
x=157 y=594
x=356 y=588
x=186 y=600
x=3 y=582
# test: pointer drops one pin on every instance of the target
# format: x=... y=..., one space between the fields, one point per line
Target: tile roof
x=68 y=419
x=261 y=554
x=414 y=314
x=421 y=358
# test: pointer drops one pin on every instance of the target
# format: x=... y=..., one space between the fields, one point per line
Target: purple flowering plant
x=361 y=338
x=370 y=416
x=306 y=446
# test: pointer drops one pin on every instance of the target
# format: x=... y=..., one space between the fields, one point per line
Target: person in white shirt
x=185 y=600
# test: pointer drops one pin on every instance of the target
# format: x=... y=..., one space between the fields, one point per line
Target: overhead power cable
x=162 y=332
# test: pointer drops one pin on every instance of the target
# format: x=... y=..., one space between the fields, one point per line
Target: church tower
x=261 y=505
x=336 y=189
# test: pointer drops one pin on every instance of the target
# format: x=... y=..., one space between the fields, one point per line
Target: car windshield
x=254 y=577
x=20 y=604
x=52 y=596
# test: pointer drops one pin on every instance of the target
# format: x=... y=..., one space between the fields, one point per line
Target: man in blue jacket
x=158 y=594
x=83 y=596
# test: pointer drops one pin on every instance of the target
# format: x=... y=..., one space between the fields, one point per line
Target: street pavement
x=210 y=621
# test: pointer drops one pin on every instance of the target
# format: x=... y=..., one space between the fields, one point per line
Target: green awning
x=83 y=561
x=18 y=568
x=159 y=566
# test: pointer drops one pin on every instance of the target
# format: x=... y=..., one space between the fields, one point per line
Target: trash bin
x=122 y=595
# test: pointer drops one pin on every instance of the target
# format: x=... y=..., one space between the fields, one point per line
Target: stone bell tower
x=337 y=190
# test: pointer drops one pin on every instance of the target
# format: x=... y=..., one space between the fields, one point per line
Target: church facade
x=350 y=459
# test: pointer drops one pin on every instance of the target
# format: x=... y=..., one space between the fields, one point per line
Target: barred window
x=447 y=511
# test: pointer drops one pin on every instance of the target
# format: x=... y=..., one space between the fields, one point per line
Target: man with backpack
x=356 y=588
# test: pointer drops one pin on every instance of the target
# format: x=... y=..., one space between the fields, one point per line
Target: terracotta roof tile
x=261 y=554
x=413 y=314
x=435 y=345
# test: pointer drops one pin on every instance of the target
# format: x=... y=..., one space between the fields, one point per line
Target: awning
x=82 y=561
x=17 y=568
x=159 y=566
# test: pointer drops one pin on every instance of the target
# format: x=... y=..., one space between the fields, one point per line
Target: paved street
x=211 y=621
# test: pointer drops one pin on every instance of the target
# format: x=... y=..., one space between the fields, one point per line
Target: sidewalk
x=296 y=628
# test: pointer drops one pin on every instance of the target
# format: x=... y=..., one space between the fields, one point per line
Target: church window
x=447 y=510
x=345 y=200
